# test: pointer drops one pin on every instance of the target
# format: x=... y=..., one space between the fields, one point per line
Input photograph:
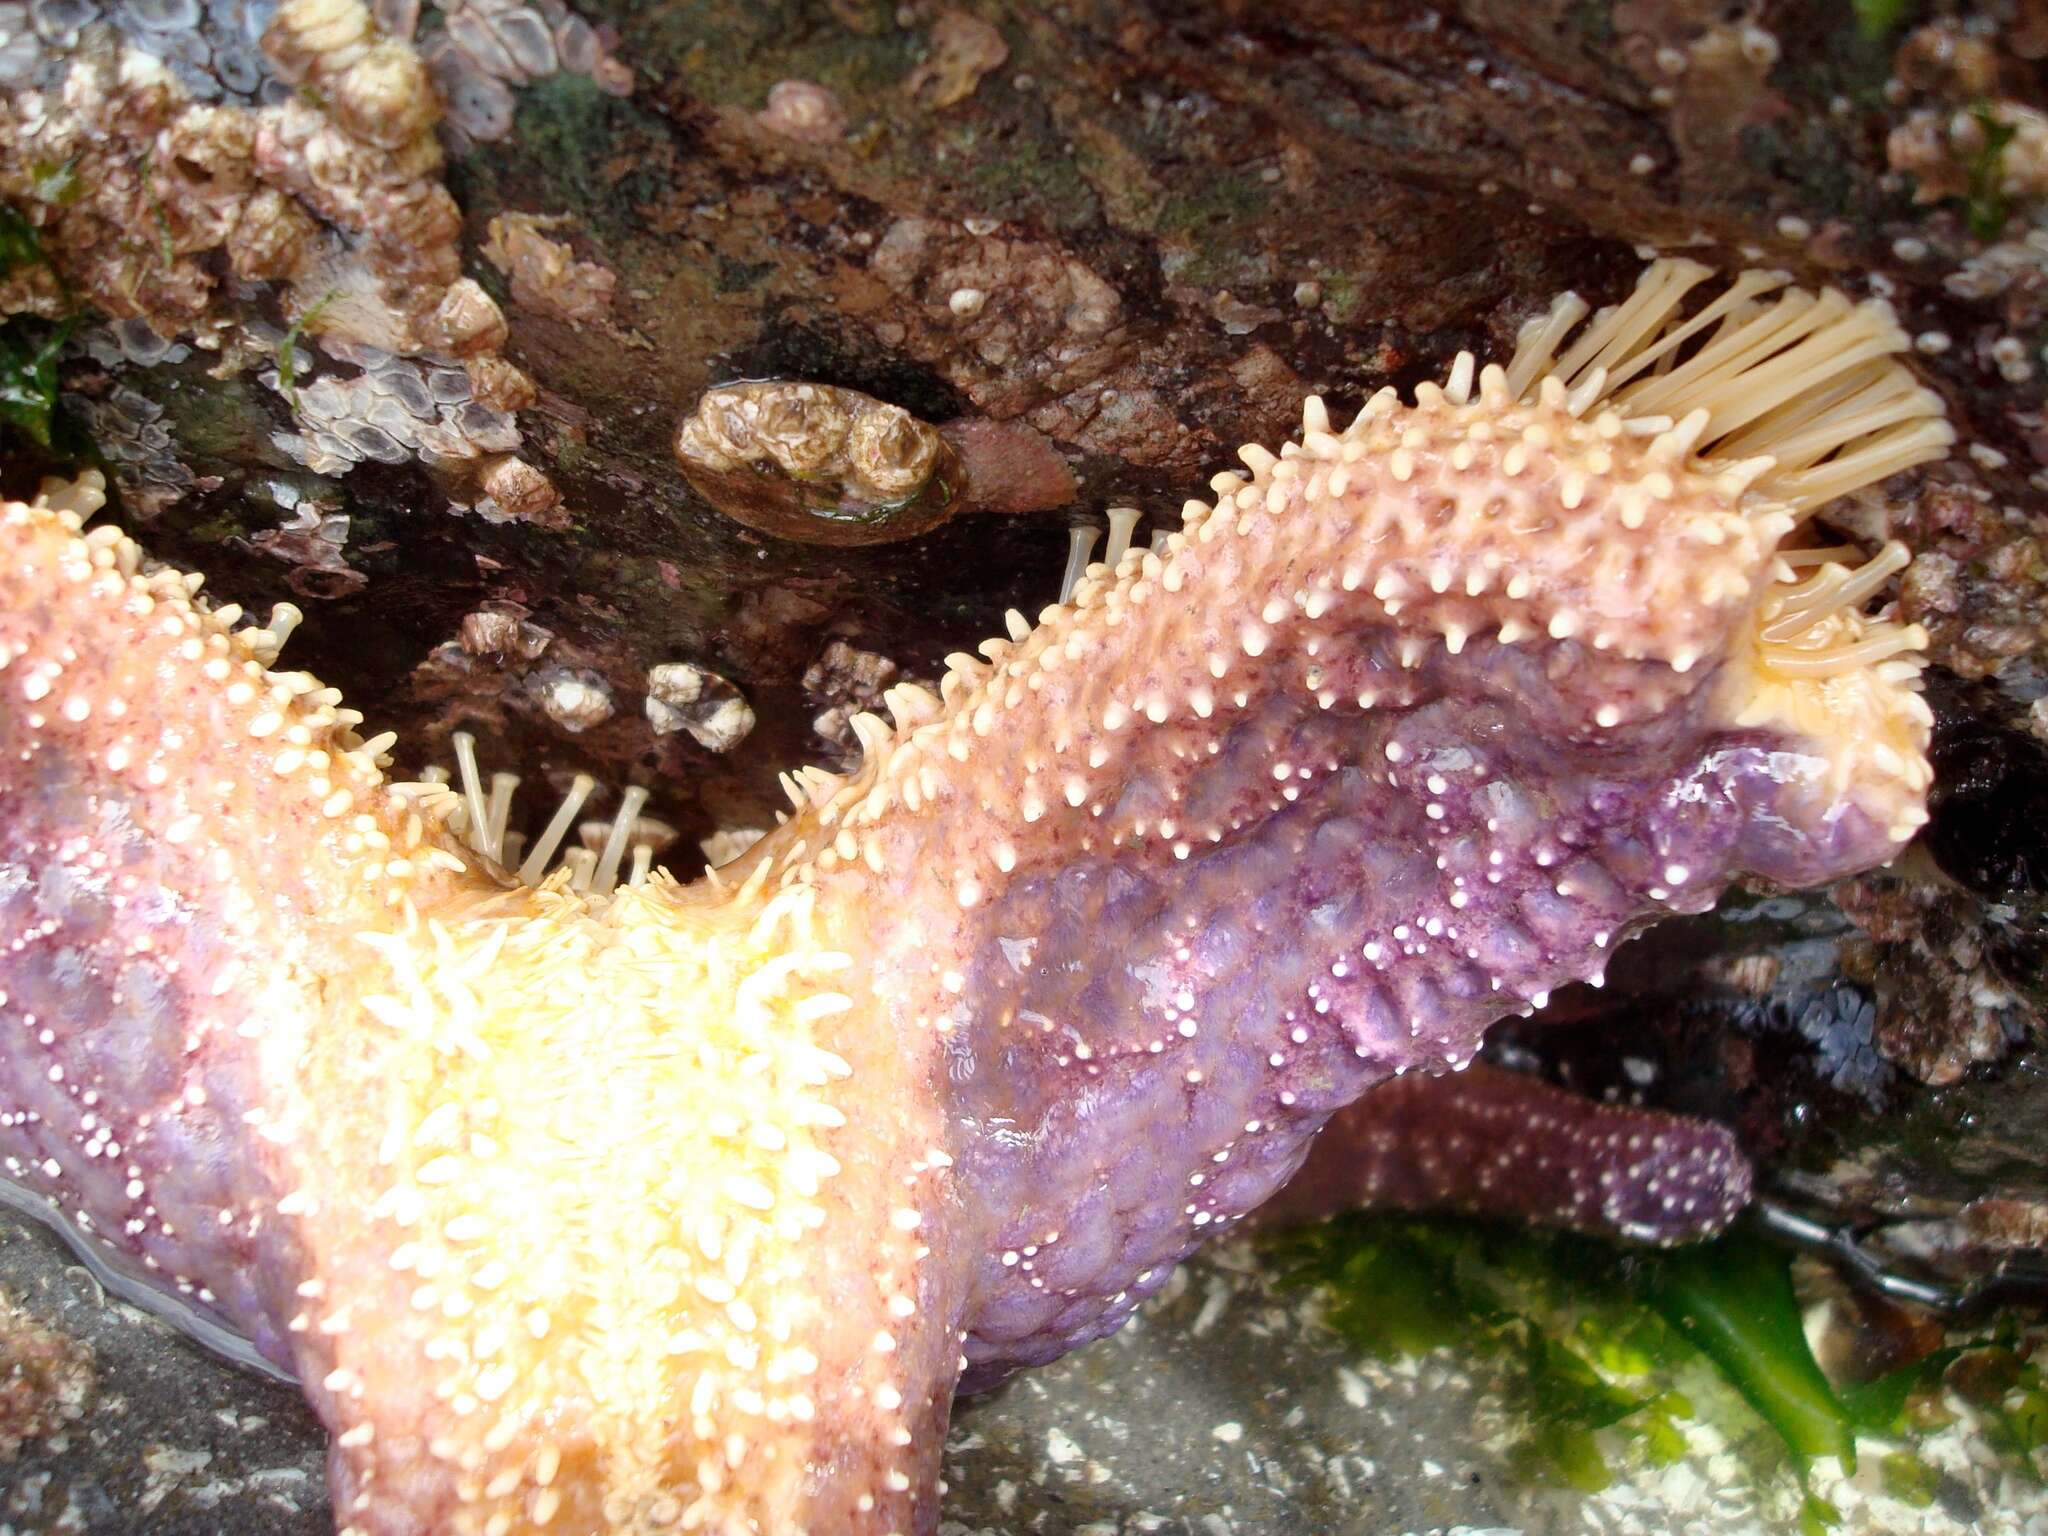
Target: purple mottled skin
x=1314 y=955
x=1493 y=1143
x=619 y=1210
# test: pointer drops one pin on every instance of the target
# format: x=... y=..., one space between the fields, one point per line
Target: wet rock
x=46 y=1379
x=1989 y=806
x=1009 y=467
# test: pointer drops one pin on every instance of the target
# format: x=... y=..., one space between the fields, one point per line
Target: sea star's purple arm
x=692 y=1206
x=1488 y=1142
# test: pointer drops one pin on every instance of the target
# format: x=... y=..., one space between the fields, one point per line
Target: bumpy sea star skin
x=1487 y=1142
x=654 y=1207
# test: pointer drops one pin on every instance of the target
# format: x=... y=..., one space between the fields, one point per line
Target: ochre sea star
x=690 y=1207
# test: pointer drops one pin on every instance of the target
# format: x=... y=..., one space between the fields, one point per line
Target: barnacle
x=331 y=191
x=545 y=275
x=395 y=409
x=682 y=697
x=817 y=463
x=486 y=47
x=803 y=112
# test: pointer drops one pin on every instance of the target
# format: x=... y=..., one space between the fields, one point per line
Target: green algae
x=28 y=378
x=29 y=349
x=1733 y=1301
x=288 y=350
x=1878 y=19
x=1986 y=205
x=731 y=54
x=1608 y=1353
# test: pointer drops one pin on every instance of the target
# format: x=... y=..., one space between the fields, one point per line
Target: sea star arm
x=689 y=1206
x=1489 y=1142
x=165 y=954
x=538 y=1197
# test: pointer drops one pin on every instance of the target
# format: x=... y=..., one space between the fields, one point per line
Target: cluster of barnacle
x=545 y=275
x=500 y=653
x=682 y=696
x=817 y=463
x=1968 y=146
x=396 y=409
x=22 y=52
x=321 y=176
x=132 y=341
x=134 y=189
x=1681 y=51
x=212 y=47
x=312 y=541
x=843 y=682
x=486 y=47
x=1962 y=72
x=605 y=853
x=129 y=428
x=157 y=189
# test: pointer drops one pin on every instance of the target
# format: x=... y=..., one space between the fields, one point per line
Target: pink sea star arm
x=1488 y=1142
x=283 y=1049
x=688 y=1207
x=155 y=942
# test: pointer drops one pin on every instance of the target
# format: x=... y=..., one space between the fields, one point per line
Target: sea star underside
x=651 y=1206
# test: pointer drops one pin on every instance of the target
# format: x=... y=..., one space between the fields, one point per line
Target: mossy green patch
x=28 y=378
x=1343 y=295
x=731 y=54
x=30 y=406
x=56 y=182
x=1607 y=1351
x=1878 y=19
x=1806 y=157
x=2003 y=1382
x=1584 y=1356
x=1012 y=178
x=572 y=153
x=224 y=421
x=20 y=245
x=1987 y=206
x=1216 y=206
